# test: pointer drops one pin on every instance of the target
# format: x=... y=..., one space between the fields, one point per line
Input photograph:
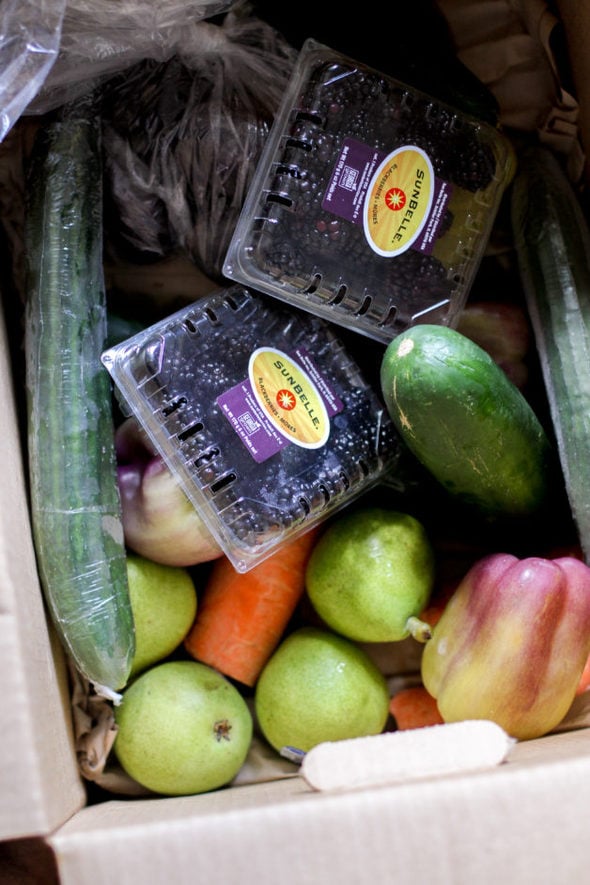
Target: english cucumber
x=75 y=505
x=552 y=240
x=465 y=421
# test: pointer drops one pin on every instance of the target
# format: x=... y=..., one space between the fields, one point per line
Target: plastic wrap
x=552 y=240
x=52 y=51
x=74 y=500
x=182 y=139
x=30 y=32
x=100 y=38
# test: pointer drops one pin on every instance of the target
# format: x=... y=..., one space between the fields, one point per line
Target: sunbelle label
x=396 y=197
x=284 y=400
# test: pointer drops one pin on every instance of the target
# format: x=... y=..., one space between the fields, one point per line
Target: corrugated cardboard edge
x=523 y=822
x=39 y=783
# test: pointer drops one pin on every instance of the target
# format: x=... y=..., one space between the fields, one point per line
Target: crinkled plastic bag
x=102 y=37
x=30 y=33
x=191 y=107
x=182 y=139
x=51 y=51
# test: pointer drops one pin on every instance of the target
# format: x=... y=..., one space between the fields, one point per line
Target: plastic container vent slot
x=191 y=431
x=174 y=406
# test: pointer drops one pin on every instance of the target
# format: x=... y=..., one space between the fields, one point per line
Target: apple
x=159 y=521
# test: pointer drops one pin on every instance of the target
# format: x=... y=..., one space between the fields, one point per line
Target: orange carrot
x=584 y=683
x=242 y=616
x=414 y=708
x=438 y=601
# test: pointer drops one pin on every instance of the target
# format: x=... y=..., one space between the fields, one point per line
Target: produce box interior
x=295 y=534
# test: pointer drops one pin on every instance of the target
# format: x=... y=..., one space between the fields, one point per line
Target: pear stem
x=419 y=630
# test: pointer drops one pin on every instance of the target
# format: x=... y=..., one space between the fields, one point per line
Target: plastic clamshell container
x=372 y=203
x=260 y=412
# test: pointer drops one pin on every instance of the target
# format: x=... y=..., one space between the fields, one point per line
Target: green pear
x=318 y=686
x=164 y=604
x=182 y=728
x=371 y=574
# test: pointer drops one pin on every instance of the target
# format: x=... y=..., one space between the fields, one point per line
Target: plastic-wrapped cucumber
x=75 y=505
x=552 y=241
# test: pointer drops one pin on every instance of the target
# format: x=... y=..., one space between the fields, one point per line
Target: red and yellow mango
x=512 y=643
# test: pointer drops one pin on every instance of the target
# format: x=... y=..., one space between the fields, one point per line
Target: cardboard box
x=39 y=787
x=522 y=822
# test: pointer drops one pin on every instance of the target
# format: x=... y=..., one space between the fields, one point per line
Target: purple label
x=427 y=239
x=258 y=434
x=350 y=180
x=331 y=401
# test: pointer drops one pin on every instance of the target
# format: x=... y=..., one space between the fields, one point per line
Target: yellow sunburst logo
x=286 y=400
x=395 y=198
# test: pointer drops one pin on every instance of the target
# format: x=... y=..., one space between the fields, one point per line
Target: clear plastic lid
x=260 y=412
x=372 y=202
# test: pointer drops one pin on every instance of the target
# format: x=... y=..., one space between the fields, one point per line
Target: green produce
x=120 y=328
x=512 y=643
x=164 y=605
x=183 y=728
x=319 y=686
x=371 y=573
x=466 y=422
x=75 y=505
x=553 y=248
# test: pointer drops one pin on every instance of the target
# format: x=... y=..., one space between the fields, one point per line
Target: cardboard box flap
x=39 y=782
x=453 y=829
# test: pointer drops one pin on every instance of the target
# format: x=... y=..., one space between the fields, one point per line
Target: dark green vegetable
x=119 y=328
x=75 y=505
x=465 y=421
x=552 y=241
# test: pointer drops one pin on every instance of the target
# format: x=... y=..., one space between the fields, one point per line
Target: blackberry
x=316 y=253
x=175 y=377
